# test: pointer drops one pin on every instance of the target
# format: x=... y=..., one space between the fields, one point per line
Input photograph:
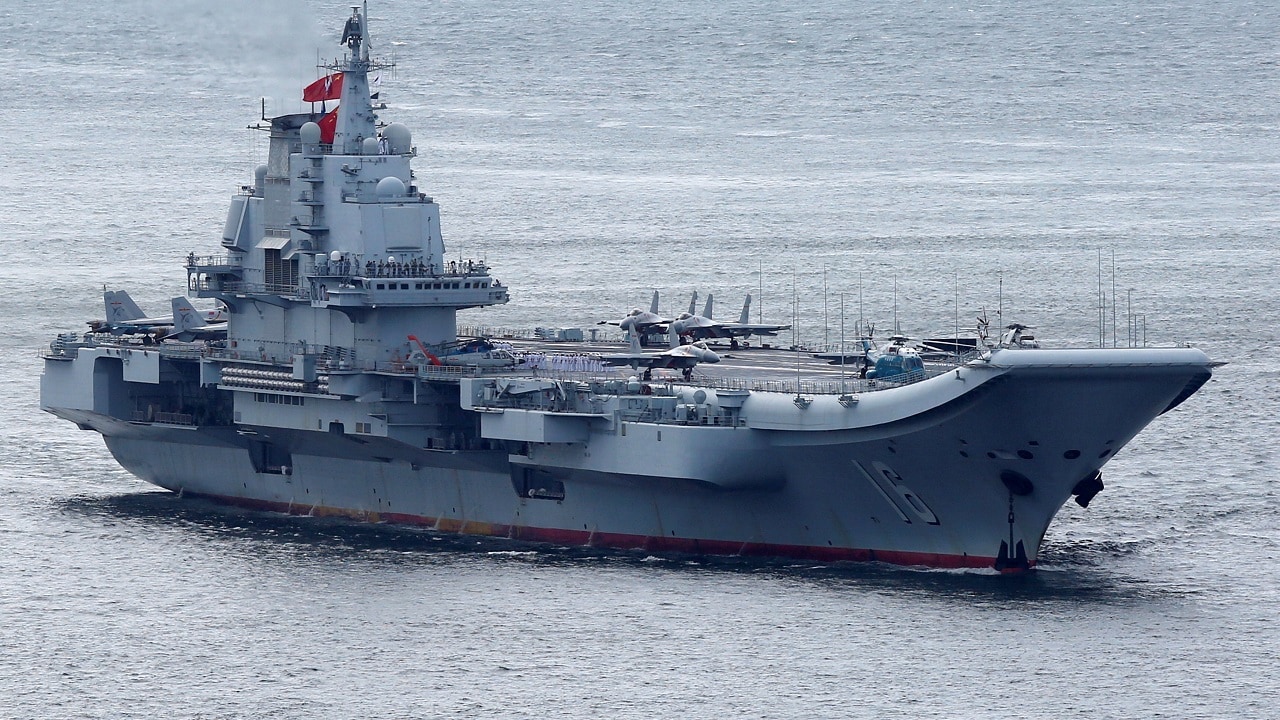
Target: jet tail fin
x=186 y=317
x=653 y=306
x=706 y=310
x=674 y=337
x=745 y=317
x=121 y=307
x=635 y=341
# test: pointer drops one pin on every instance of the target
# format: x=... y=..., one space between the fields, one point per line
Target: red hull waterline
x=621 y=541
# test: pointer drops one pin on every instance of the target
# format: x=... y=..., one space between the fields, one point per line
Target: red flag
x=328 y=87
x=328 y=126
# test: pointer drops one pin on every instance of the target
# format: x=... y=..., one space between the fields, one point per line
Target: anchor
x=1005 y=563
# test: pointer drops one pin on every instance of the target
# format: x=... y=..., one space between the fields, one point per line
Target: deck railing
x=415 y=267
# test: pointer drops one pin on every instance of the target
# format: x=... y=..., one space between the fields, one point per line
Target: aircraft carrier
x=335 y=383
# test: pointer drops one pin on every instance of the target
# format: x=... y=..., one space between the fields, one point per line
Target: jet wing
x=770 y=330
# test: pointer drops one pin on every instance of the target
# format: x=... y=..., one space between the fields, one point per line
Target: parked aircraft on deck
x=124 y=317
x=641 y=323
x=477 y=352
x=703 y=327
x=190 y=325
x=681 y=357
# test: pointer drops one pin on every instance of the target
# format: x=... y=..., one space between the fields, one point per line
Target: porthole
x=1104 y=453
x=1071 y=454
x=1026 y=455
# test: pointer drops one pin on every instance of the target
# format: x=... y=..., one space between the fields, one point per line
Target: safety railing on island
x=356 y=266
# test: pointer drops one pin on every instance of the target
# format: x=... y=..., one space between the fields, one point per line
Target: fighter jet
x=642 y=324
x=124 y=317
x=701 y=327
x=190 y=325
x=682 y=357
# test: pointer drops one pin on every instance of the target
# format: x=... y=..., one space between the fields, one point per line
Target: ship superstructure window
x=273 y=399
x=363 y=427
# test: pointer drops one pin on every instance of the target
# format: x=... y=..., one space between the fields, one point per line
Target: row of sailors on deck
x=415 y=268
x=392 y=268
x=562 y=362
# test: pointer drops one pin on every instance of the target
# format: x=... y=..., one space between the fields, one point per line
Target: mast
x=356 y=120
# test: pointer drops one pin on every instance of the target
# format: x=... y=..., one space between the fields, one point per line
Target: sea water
x=1106 y=172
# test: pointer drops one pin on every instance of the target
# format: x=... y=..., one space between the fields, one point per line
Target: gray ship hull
x=942 y=487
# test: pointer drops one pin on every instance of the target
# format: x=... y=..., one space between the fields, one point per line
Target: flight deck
x=755 y=367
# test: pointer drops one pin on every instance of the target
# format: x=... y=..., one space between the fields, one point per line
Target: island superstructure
x=331 y=391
